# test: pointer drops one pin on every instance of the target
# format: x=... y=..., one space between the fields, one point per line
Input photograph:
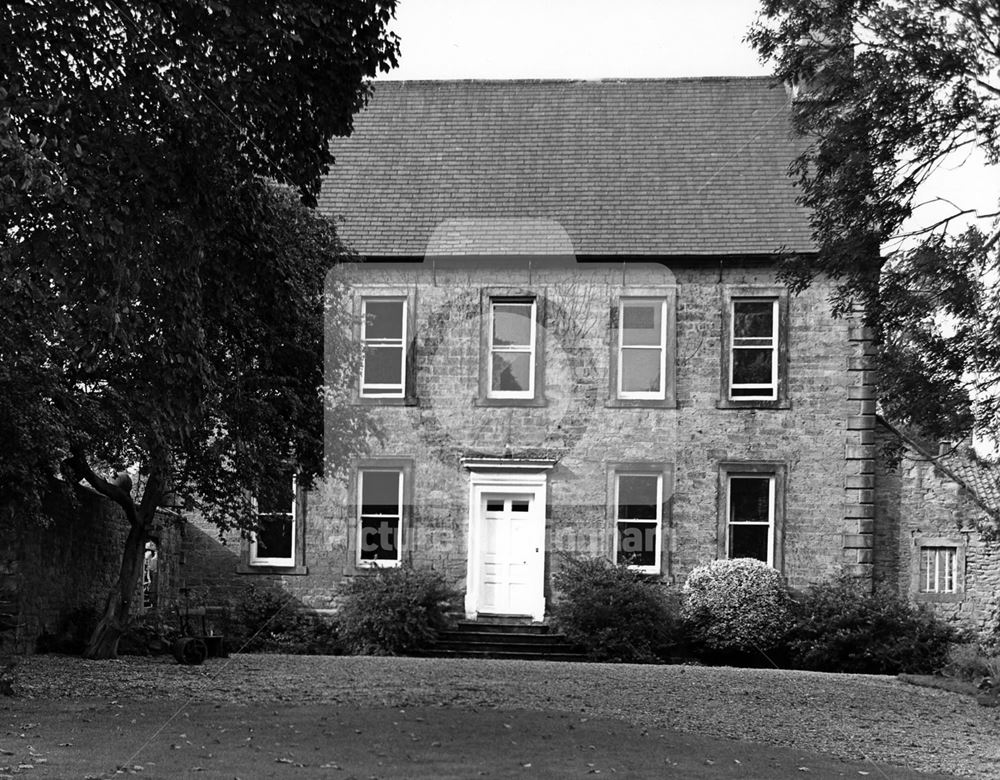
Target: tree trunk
x=118 y=608
x=103 y=642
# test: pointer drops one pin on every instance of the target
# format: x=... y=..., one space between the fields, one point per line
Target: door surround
x=505 y=476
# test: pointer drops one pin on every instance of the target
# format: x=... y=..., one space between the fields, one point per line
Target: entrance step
x=496 y=638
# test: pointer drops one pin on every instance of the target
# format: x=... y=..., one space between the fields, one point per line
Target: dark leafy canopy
x=161 y=297
x=894 y=89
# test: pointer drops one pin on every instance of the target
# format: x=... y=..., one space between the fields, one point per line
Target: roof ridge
x=602 y=80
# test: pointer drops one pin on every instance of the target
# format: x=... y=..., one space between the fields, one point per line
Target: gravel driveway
x=851 y=716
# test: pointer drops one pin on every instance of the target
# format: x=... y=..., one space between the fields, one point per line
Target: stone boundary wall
x=55 y=573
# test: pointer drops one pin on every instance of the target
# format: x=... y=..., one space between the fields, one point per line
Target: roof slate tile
x=636 y=167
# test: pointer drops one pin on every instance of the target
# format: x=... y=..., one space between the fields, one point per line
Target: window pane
x=275 y=496
x=494 y=506
x=518 y=506
x=749 y=500
x=637 y=544
x=379 y=539
x=638 y=496
x=383 y=365
x=274 y=539
x=383 y=319
x=748 y=541
x=640 y=370
x=641 y=323
x=753 y=319
x=752 y=367
x=511 y=371
x=512 y=324
x=380 y=493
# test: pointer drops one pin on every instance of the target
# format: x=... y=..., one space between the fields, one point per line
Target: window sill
x=725 y=403
x=938 y=598
x=295 y=571
x=353 y=569
x=367 y=401
x=502 y=402
x=640 y=403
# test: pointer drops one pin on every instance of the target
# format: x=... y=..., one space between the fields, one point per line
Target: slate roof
x=626 y=167
x=979 y=477
x=982 y=479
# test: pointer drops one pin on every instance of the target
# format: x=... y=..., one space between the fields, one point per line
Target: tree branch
x=107 y=489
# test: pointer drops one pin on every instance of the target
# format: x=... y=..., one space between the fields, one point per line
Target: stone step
x=503 y=654
x=510 y=642
x=496 y=626
x=503 y=639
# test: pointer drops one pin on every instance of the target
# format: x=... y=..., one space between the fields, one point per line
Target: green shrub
x=614 y=612
x=148 y=634
x=72 y=634
x=735 y=608
x=841 y=626
x=269 y=621
x=394 y=610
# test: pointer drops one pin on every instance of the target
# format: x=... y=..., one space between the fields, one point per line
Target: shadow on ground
x=157 y=740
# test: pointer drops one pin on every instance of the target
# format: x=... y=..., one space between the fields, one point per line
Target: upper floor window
x=512 y=348
x=642 y=348
x=753 y=354
x=380 y=516
x=383 y=341
x=274 y=541
x=639 y=520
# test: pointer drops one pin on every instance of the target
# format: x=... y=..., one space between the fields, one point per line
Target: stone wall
x=583 y=430
x=919 y=503
x=59 y=573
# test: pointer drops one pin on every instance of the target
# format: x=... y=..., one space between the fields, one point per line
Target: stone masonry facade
x=924 y=510
x=823 y=525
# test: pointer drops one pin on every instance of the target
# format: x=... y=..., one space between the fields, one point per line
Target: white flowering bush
x=739 y=605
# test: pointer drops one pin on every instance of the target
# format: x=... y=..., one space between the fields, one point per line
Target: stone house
x=576 y=343
x=932 y=509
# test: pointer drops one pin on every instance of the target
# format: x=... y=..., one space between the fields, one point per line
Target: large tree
x=163 y=289
x=890 y=91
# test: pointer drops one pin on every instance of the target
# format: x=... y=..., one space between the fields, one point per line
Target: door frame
x=506 y=477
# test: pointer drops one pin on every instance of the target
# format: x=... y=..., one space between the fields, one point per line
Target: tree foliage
x=161 y=281
x=891 y=91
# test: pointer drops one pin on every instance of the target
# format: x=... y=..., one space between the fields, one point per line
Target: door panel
x=510 y=582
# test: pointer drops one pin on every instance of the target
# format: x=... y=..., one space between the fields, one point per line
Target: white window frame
x=370 y=563
x=943 y=572
x=257 y=560
x=660 y=395
x=656 y=567
x=384 y=390
x=529 y=348
x=734 y=345
x=772 y=481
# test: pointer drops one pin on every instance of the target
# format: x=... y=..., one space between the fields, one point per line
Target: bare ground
x=852 y=717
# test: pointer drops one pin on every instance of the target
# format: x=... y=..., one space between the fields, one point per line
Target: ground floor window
x=273 y=543
x=751 y=517
x=638 y=496
x=938 y=569
x=380 y=515
x=751 y=511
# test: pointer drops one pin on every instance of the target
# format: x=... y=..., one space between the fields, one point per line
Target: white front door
x=508 y=573
x=506 y=546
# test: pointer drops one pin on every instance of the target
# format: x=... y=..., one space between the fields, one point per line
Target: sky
x=574 y=39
